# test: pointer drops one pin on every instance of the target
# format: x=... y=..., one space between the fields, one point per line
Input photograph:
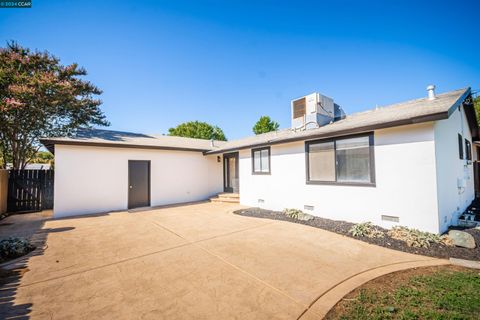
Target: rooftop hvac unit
x=312 y=111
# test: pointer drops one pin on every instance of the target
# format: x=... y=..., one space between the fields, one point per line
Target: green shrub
x=293 y=213
x=13 y=247
x=415 y=238
x=366 y=229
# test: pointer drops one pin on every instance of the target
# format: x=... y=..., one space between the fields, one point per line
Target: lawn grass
x=424 y=293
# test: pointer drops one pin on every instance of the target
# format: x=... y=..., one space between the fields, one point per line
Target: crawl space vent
x=390 y=218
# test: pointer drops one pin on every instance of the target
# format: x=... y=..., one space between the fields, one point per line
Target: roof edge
x=421 y=119
x=50 y=145
x=459 y=101
x=415 y=120
x=469 y=109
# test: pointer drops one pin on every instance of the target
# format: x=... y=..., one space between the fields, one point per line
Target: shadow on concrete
x=11 y=272
x=89 y=215
x=166 y=206
x=135 y=210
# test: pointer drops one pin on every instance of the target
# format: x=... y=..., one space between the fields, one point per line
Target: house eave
x=50 y=145
x=397 y=123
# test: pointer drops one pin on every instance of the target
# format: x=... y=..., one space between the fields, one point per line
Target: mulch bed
x=341 y=227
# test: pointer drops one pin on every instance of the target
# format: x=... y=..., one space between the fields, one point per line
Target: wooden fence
x=30 y=190
x=3 y=190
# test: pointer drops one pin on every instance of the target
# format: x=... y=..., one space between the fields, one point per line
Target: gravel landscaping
x=437 y=250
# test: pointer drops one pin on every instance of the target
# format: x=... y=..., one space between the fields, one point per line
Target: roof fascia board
x=459 y=101
x=48 y=142
x=469 y=112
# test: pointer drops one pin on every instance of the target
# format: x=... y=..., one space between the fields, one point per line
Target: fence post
x=3 y=190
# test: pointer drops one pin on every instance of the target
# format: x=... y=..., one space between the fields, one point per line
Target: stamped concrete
x=196 y=261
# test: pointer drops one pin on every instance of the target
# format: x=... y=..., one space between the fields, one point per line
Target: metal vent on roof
x=431 y=92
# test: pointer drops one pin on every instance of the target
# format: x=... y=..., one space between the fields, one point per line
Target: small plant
x=13 y=247
x=293 y=213
x=375 y=233
x=416 y=238
x=366 y=229
x=446 y=240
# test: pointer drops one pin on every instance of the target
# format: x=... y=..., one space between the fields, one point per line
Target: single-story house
x=405 y=164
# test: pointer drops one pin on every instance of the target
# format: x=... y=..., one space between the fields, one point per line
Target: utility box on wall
x=3 y=190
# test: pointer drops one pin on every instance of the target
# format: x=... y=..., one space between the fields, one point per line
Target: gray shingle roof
x=97 y=137
x=409 y=112
x=413 y=111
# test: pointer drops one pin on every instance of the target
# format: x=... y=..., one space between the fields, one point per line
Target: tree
x=40 y=97
x=264 y=125
x=197 y=129
x=43 y=157
x=4 y=161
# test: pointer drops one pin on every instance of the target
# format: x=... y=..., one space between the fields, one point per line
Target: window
x=460 y=146
x=261 y=161
x=346 y=160
x=468 y=150
x=322 y=161
x=353 y=160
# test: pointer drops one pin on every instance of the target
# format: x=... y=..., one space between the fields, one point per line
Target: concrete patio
x=197 y=261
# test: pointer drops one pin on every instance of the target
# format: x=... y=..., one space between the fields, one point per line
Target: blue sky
x=160 y=63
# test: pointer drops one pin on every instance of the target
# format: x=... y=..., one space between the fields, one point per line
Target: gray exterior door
x=138 y=184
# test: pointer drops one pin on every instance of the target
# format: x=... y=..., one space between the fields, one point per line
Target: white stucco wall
x=453 y=172
x=95 y=179
x=405 y=171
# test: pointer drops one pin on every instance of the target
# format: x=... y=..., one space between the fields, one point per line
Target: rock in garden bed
x=438 y=250
x=462 y=239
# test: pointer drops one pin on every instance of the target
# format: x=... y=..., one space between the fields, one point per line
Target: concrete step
x=228 y=195
x=224 y=199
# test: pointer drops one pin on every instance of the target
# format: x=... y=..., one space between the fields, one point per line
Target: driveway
x=196 y=261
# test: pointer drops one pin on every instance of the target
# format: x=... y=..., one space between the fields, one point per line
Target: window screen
x=344 y=160
x=353 y=160
x=322 y=161
x=261 y=160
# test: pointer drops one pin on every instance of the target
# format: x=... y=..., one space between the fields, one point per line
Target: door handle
x=130 y=187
